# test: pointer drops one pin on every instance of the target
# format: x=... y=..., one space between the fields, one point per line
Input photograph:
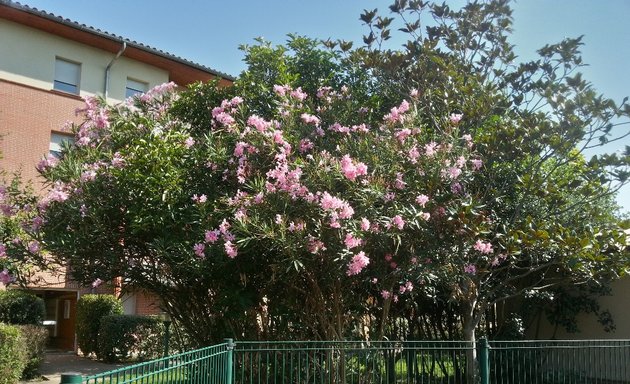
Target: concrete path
x=56 y=363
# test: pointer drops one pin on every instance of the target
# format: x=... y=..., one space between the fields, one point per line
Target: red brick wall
x=27 y=118
x=147 y=303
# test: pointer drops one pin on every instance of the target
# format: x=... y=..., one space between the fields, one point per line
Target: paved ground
x=56 y=363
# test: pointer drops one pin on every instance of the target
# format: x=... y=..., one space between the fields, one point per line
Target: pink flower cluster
x=49 y=162
x=396 y=114
x=357 y=264
x=483 y=247
x=351 y=169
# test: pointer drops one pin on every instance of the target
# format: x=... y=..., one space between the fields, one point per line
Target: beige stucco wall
x=27 y=56
x=619 y=306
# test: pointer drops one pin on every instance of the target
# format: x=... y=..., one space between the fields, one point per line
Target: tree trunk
x=471 y=352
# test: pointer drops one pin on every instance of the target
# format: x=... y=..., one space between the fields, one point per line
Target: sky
x=210 y=32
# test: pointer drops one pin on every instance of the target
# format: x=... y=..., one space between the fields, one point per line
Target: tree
x=295 y=205
x=20 y=253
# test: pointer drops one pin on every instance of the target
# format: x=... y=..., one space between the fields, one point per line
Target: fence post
x=484 y=361
x=71 y=378
x=229 y=366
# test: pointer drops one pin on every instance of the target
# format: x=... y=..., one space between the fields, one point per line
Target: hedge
x=122 y=337
x=19 y=307
x=34 y=338
x=90 y=310
x=12 y=354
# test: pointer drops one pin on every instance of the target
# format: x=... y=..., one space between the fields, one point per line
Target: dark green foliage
x=90 y=310
x=34 y=339
x=19 y=307
x=12 y=354
x=122 y=337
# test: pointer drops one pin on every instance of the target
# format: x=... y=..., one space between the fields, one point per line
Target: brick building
x=47 y=64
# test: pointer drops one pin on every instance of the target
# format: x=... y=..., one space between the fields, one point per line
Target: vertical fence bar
x=484 y=361
x=229 y=363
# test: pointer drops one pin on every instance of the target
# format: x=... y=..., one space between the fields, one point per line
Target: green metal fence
x=384 y=362
x=559 y=361
x=210 y=365
x=350 y=362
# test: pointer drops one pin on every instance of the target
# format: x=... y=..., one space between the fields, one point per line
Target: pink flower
x=212 y=236
x=97 y=283
x=199 y=250
x=49 y=162
x=413 y=93
x=117 y=160
x=189 y=142
x=402 y=134
x=199 y=199
x=259 y=123
x=359 y=261
x=352 y=241
x=309 y=119
x=224 y=118
x=413 y=154
x=386 y=294
x=399 y=183
x=455 y=118
x=315 y=245
x=296 y=227
x=5 y=277
x=365 y=224
x=483 y=247
x=33 y=247
x=470 y=269
x=425 y=216
x=298 y=94
x=280 y=90
x=422 y=200
x=452 y=172
x=3 y=251
x=388 y=257
x=230 y=249
x=476 y=164
x=224 y=226
x=398 y=222
x=306 y=145
x=37 y=223
x=430 y=149
x=88 y=175
x=239 y=148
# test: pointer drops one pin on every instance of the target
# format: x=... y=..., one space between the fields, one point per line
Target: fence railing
x=384 y=362
x=351 y=362
x=210 y=365
x=559 y=361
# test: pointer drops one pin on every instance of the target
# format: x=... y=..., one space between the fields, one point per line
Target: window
x=56 y=142
x=135 y=87
x=66 y=309
x=67 y=75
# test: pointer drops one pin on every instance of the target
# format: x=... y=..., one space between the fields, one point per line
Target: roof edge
x=112 y=37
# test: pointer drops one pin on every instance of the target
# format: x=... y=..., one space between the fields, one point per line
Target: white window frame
x=135 y=87
x=67 y=76
x=56 y=141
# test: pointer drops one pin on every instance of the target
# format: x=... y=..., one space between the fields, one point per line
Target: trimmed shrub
x=19 y=307
x=34 y=339
x=12 y=354
x=122 y=337
x=90 y=310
